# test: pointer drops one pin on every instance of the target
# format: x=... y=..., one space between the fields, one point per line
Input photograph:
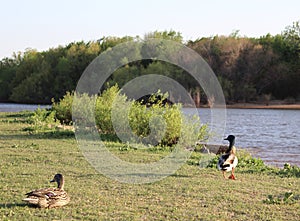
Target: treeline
x=37 y=77
x=248 y=69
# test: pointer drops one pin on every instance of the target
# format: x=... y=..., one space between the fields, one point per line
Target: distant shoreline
x=264 y=106
x=274 y=105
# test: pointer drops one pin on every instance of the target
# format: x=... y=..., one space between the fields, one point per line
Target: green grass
x=29 y=160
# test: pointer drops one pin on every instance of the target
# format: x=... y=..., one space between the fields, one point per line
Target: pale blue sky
x=43 y=24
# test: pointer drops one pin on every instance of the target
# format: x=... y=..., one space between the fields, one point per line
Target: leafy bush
x=115 y=114
x=159 y=124
x=104 y=105
x=63 y=109
x=83 y=109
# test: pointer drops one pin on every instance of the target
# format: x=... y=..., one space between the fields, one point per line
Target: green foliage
x=286 y=198
x=289 y=171
x=84 y=108
x=247 y=161
x=167 y=121
x=63 y=109
x=157 y=124
x=167 y=35
x=200 y=159
x=213 y=162
x=42 y=120
x=36 y=77
x=266 y=65
x=104 y=105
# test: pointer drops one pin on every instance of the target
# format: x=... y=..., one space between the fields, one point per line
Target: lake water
x=272 y=135
x=9 y=107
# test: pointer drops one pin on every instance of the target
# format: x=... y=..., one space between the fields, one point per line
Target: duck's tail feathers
x=31 y=200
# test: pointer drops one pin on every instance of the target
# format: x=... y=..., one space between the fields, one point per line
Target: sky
x=42 y=25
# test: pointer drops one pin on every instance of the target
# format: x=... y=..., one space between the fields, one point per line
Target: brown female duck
x=49 y=197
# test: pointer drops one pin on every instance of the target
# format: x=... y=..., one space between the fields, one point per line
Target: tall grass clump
x=42 y=119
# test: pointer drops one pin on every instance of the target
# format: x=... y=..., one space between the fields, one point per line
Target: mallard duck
x=49 y=197
x=229 y=161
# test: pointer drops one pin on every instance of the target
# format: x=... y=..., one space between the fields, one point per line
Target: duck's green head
x=231 y=139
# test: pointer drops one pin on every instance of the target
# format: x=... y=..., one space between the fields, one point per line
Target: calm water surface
x=8 y=107
x=272 y=135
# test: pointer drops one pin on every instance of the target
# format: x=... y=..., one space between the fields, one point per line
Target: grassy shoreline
x=29 y=160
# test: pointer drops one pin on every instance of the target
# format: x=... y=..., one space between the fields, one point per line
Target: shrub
x=63 y=109
x=104 y=104
x=160 y=123
x=83 y=109
x=114 y=113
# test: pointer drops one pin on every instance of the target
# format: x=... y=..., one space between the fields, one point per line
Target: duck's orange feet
x=232 y=177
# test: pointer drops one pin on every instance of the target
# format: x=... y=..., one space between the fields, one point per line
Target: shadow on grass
x=41 y=135
x=56 y=134
x=294 y=171
x=180 y=176
x=13 y=205
x=16 y=117
x=109 y=137
x=90 y=175
x=23 y=114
